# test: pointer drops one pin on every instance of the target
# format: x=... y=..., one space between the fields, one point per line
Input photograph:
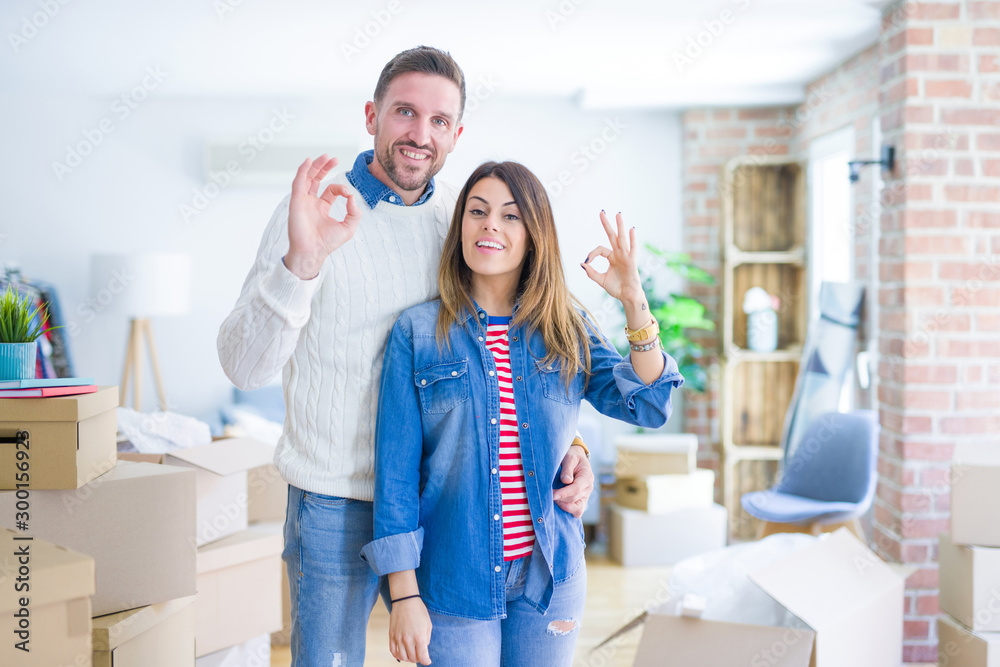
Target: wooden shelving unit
x=763 y=245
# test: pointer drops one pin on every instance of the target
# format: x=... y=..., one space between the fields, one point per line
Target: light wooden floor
x=615 y=595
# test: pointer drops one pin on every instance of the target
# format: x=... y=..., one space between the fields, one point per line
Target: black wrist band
x=406 y=598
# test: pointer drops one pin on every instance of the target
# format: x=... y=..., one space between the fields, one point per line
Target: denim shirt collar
x=483 y=315
x=373 y=190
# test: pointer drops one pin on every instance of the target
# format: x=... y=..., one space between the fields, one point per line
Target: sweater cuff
x=394 y=553
x=288 y=294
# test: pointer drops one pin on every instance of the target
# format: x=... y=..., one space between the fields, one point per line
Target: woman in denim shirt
x=479 y=401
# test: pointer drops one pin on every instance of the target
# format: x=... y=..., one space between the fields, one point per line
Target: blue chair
x=828 y=481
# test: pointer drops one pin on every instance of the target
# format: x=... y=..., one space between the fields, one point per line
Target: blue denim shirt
x=437 y=491
x=373 y=190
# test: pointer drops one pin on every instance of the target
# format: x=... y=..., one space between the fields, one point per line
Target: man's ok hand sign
x=312 y=233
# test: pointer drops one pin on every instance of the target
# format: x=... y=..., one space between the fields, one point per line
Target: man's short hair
x=426 y=60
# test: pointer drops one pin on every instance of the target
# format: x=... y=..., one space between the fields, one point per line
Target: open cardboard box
x=221 y=481
x=60 y=583
x=975 y=478
x=851 y=601
x=71 y=438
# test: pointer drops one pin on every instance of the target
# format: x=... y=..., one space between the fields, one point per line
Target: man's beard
x=407 y=179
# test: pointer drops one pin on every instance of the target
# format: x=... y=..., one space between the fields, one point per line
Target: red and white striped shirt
x=518 y=531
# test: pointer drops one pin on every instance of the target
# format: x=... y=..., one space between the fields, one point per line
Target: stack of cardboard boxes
x=969 y=562
x=238 y=566
x=664 y=508
x=118 y=533
x=118 y=549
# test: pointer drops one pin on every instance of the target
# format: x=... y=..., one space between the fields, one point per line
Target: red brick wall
x=933 y=80
x=940 y=370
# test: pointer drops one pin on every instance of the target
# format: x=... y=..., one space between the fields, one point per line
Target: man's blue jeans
x=526 y=638
x=332 y=589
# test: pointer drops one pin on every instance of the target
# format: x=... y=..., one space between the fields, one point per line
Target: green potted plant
x=677 y=313
x=20 y=327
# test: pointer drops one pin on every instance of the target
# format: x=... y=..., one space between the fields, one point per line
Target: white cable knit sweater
x=327 y=335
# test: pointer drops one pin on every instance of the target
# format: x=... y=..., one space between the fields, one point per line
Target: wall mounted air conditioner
x=252 y=162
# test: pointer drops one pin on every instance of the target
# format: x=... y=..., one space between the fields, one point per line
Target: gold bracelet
x=579 y=443
x=649 y=331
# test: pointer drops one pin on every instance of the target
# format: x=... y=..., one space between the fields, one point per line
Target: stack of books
x=45 y=388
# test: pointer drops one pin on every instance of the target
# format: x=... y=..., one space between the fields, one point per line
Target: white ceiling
x=609 y=53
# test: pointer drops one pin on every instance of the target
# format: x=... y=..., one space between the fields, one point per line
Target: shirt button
x=524 y=425
x=480 y=339
x=496 y=517
x=392 y=199
x=492 y=373
x=423 y=382
x=493 y=421
x=541 y=520
x=482 y=315
x=531 y=473
x=514 y=339
x=454 y=374
x=518 y=378
x=497 y=568
x=494 y=471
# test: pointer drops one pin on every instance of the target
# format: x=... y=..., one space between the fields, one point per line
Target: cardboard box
x=636 y=538
x=850 y=600
x=960 y=647
x=136 y=521
x=659 y=454
x=159 y=635
x=239 y=590
x=71 y=439
x=268 y=494
x=282 y=637
x=975 y=487
x=59 y=584
x=970 y=584
x=659 y=494
x=222 y=485
x=254 y=652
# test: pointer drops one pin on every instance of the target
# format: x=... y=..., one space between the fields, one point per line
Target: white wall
x=125 y=197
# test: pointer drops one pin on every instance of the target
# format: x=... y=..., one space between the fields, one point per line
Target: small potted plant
x=20 y=327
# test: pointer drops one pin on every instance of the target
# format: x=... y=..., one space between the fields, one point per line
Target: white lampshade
x=141 y=285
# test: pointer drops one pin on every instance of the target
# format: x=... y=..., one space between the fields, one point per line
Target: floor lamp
x=141 y=287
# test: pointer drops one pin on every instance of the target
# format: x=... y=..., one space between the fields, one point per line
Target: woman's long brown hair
x=545 y=303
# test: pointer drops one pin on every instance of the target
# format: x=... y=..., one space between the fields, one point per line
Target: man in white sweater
x=332 y=274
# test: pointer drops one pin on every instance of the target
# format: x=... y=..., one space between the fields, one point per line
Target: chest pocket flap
x=442 y=386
